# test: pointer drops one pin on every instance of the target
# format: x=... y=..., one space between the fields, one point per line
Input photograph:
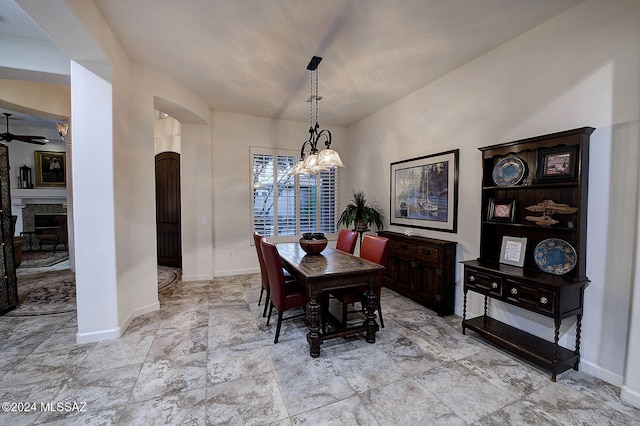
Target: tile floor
x=207 y=358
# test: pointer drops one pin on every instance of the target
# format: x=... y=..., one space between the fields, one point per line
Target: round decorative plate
x=555 y=256
x=509 y=171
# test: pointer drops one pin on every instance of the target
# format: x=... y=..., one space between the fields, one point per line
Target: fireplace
x=44 y=225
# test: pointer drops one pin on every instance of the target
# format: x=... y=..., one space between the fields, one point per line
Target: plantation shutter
x=286 y=205
x=263 y=199
x=328 y=201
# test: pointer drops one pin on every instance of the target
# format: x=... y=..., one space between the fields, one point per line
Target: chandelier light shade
x=327 y=158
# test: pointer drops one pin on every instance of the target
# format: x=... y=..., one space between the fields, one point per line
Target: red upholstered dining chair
x=263 y=273
x=347 y=240
x=284 y=295
x=374 y=249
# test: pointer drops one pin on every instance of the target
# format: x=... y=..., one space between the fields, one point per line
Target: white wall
x=579 y=69
x=232 y=137
x=117 y=162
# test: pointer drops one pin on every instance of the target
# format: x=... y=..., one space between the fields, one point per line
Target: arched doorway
x=168 y=202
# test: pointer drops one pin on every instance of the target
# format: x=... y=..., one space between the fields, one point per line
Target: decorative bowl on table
x=313 y=242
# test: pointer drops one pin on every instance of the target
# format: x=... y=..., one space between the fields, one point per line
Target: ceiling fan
x=8 y=136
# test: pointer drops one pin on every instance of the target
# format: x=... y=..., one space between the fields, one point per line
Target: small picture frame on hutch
x=558 y=164
x=513 y=251
x=501 y=210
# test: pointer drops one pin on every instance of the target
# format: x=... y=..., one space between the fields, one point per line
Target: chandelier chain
x=316 y=72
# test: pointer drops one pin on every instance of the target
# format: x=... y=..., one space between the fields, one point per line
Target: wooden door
x=168 y=209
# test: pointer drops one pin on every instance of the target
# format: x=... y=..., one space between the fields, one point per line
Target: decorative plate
x=509 y=171
x=555 y=256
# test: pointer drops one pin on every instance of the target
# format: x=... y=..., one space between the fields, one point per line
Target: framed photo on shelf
x=501 y=210
x=424 y=192
x=513 y=250
x=556 y=164
x=50 y=168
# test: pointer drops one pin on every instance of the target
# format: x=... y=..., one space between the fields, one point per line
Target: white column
x=630 y=391
x=93 y=206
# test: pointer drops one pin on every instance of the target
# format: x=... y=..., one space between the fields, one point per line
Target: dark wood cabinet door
x=168 y=221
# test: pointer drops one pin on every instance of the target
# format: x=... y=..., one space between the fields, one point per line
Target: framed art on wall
x=424 y=192
x=50 y=168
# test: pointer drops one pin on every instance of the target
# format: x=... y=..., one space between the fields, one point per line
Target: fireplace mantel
x=22 y=197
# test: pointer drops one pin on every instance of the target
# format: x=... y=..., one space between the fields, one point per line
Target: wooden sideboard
x=422 y=269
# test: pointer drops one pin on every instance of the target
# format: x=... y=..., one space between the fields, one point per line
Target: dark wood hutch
x=558 y=294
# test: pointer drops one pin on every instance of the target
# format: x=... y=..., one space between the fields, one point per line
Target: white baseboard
x=237 y=272
x=630 y=396
x=98 y=336
x=187 y=278
x=143 y=310
x=600 y=373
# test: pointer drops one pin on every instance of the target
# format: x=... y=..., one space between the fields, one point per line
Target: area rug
x=45 y=293
x=42 y=259
x=167 y=276
x=54 y=292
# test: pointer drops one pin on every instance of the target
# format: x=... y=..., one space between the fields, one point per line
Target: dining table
x=332 y=269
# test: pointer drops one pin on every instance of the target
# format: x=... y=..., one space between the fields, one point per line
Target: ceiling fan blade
x=8 y=136
x=30 y=139
x=23 y=137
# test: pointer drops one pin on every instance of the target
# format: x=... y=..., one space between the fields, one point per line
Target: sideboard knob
x=472 y=278
x=544 y=300
x=514 y=291
x=494 y=285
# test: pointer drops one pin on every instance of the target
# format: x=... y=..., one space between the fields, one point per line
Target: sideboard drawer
x=428 y=254
x=401 y=248
x=482 y=283
x=530 y=297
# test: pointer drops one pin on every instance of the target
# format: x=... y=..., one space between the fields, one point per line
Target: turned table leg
x=370 y=305
x=314 y=337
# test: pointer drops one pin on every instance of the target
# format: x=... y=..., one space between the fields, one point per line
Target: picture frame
x=557 y=164
x=424 y=192
x=501 y=210
x=50 y=169
x=513 y=250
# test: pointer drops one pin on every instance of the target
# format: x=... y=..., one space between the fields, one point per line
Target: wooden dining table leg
x=370 y=306
x=314 y=338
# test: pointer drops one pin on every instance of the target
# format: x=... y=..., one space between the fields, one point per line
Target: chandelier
x=326 y=159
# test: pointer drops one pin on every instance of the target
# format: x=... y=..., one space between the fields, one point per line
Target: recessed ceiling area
x=250 y=56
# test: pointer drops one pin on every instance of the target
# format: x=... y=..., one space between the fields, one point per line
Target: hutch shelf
x=552 y=276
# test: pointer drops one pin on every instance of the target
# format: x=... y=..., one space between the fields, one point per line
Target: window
x=285 y=205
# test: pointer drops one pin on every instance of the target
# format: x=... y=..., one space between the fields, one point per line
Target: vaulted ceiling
x=250 y=56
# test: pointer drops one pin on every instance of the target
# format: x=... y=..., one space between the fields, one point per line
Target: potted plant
x=360 y=213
